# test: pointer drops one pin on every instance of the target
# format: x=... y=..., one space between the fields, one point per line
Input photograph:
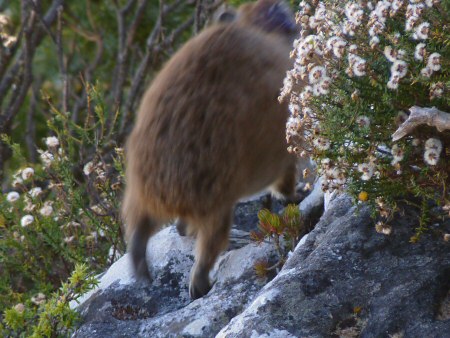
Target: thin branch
x=126 y=37
x=61 y=64
x=430 y=116
x=30 y=133
x=35 y=36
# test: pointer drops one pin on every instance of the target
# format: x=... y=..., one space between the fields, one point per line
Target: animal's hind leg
x=144 y=228
x=212 y=238
x=285 y=185
x=182 y=227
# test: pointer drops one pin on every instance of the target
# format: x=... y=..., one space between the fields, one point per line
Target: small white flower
x=325 y=162
x=426 y=72
x=363 y=121
x=393 y=83
x=27 y=173
x=374 y=41
x=359 y=67
x=332 y=173
x=316 y=74
x=307 y=93
x=88 y=168
x=293 y=124
x=19 y=308
x=434 y=143
x=38 y=299
x=339 y=48
x=422 y=31
x=390 y=53
x=35 y=192
x=431 y=156
x=331 y=41
x=386 y=231
x=17 y=181
x=420 y=51
x=399 y=68
x=401 y=54
x=52 y=142
x=367 y=169
x=434 y=62
x=46 y=210
x=397 y=152
x=29 y=205
x=437 y=90
x=321 y=143
x=46 y=157
x=323 y=87
x=26 y=220
x=12 y=196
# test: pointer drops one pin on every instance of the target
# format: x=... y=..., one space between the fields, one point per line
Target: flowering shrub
x=359 y=67
x=60 y=212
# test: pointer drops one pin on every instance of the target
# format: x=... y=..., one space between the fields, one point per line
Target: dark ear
x=224 y=14
x=275 y=15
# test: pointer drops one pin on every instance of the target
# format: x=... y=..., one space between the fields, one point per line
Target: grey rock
x=343 y=280
x=344 y=267
x=124 y=307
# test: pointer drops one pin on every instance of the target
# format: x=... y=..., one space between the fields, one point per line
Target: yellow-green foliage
x=52 y=316
x=283 y=230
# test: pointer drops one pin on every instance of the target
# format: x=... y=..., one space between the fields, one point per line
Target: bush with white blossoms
x=359 y=66
x=59 y=212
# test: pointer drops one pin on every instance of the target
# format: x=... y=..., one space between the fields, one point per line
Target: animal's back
x=210 y=129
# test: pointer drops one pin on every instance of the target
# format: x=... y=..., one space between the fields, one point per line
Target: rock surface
x=123 y=307
x=344 y=280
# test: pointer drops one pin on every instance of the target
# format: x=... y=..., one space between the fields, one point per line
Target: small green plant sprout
x=284 y=231
x=52 y=317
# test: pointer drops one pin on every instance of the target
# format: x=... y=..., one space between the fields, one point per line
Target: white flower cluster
x=48 y=156
x=433 y=65
x=397 y=153
x=367 y=170
x=346 y=35
x=399 y=67
x=437 y=90
x=433 y=148
x=333 y=177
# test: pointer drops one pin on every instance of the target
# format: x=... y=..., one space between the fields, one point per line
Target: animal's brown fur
x=209 y=131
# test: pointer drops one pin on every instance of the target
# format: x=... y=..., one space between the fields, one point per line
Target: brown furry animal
x=209 y=131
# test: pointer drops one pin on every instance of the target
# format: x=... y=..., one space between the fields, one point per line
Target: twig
x=430 y=116
x=30 y=134
x=126 y=37
x=62 y=65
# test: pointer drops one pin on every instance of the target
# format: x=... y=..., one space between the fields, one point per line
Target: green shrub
x=53 y=317
x=58 y=213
